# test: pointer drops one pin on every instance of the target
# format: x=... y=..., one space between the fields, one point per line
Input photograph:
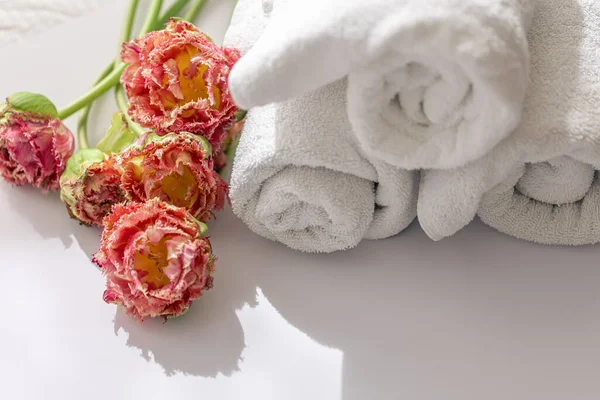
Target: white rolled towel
x=431 y=83
x=540 y=181
x=554 y=202
x=299 y=177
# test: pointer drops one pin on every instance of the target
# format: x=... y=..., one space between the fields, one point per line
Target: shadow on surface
x=50 y=219
x=208 y=340
x=460 y=315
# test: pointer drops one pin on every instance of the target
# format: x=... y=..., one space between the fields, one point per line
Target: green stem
x=152 y=16
x=230 y=153
x=82 y=136
x=170 y=12
x=113 y=78
x=98 y=90
x=129 y=19
x=194 y=10
x=126 y=35
x=122 y=104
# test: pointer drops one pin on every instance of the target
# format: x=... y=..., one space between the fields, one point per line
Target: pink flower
x=177 y=81
x=34 y=148
x=155 y=260
x=176 y=168
x=91 y=186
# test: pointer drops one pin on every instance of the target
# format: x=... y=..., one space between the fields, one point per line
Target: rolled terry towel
x=540 y=182
x=298 y=176
x=431 y=83
x=553 y=202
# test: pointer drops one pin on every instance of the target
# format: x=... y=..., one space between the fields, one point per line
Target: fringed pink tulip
x=177 y=81
x=155 y=260
x=91 y=186
x=176 y=168
x=34 y=146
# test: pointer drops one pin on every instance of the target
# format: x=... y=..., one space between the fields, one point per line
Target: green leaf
x=202 y=228
x=240 y=115
x=118 y=136
x=32 y=103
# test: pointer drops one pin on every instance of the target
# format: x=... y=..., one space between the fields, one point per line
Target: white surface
x=478 y=316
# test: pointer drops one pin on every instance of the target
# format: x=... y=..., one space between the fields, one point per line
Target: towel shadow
x=450 y=313
x=208 y=340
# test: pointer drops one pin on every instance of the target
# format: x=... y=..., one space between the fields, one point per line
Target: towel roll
x=432 y=83
x=554 y=202
x=300 y=178
x=561 y=123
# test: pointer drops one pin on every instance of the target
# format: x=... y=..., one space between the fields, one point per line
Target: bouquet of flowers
x=153 y=180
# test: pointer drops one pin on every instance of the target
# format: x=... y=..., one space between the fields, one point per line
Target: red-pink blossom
x=176 y=168
x=177 y=81
x=155 y=260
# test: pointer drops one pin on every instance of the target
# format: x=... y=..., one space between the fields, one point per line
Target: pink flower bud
x=155 y=260
x=91 y=186
x=34 y=146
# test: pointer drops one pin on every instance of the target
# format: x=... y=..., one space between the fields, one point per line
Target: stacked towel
x=540 y=184
x=299 y=177
x=431 y=83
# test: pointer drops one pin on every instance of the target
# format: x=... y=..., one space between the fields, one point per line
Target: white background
x=479 y=316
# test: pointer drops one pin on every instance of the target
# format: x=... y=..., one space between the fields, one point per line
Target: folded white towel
x=561 y=118
x=432 y=83
x=299 y=177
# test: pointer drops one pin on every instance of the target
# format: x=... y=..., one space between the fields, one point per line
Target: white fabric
x=299 y=177
x=556 y=200
x=432 y=83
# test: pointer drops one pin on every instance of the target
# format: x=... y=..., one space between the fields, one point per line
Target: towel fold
x=540 y=182
x=431 y=83
x=299 y=176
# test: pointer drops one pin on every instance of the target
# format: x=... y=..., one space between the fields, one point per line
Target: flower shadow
x=208 y=340
x=49 y=217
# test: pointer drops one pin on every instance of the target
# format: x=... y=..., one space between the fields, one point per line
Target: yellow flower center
x=152 y=263
x=177 y=188
x=192 y=89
